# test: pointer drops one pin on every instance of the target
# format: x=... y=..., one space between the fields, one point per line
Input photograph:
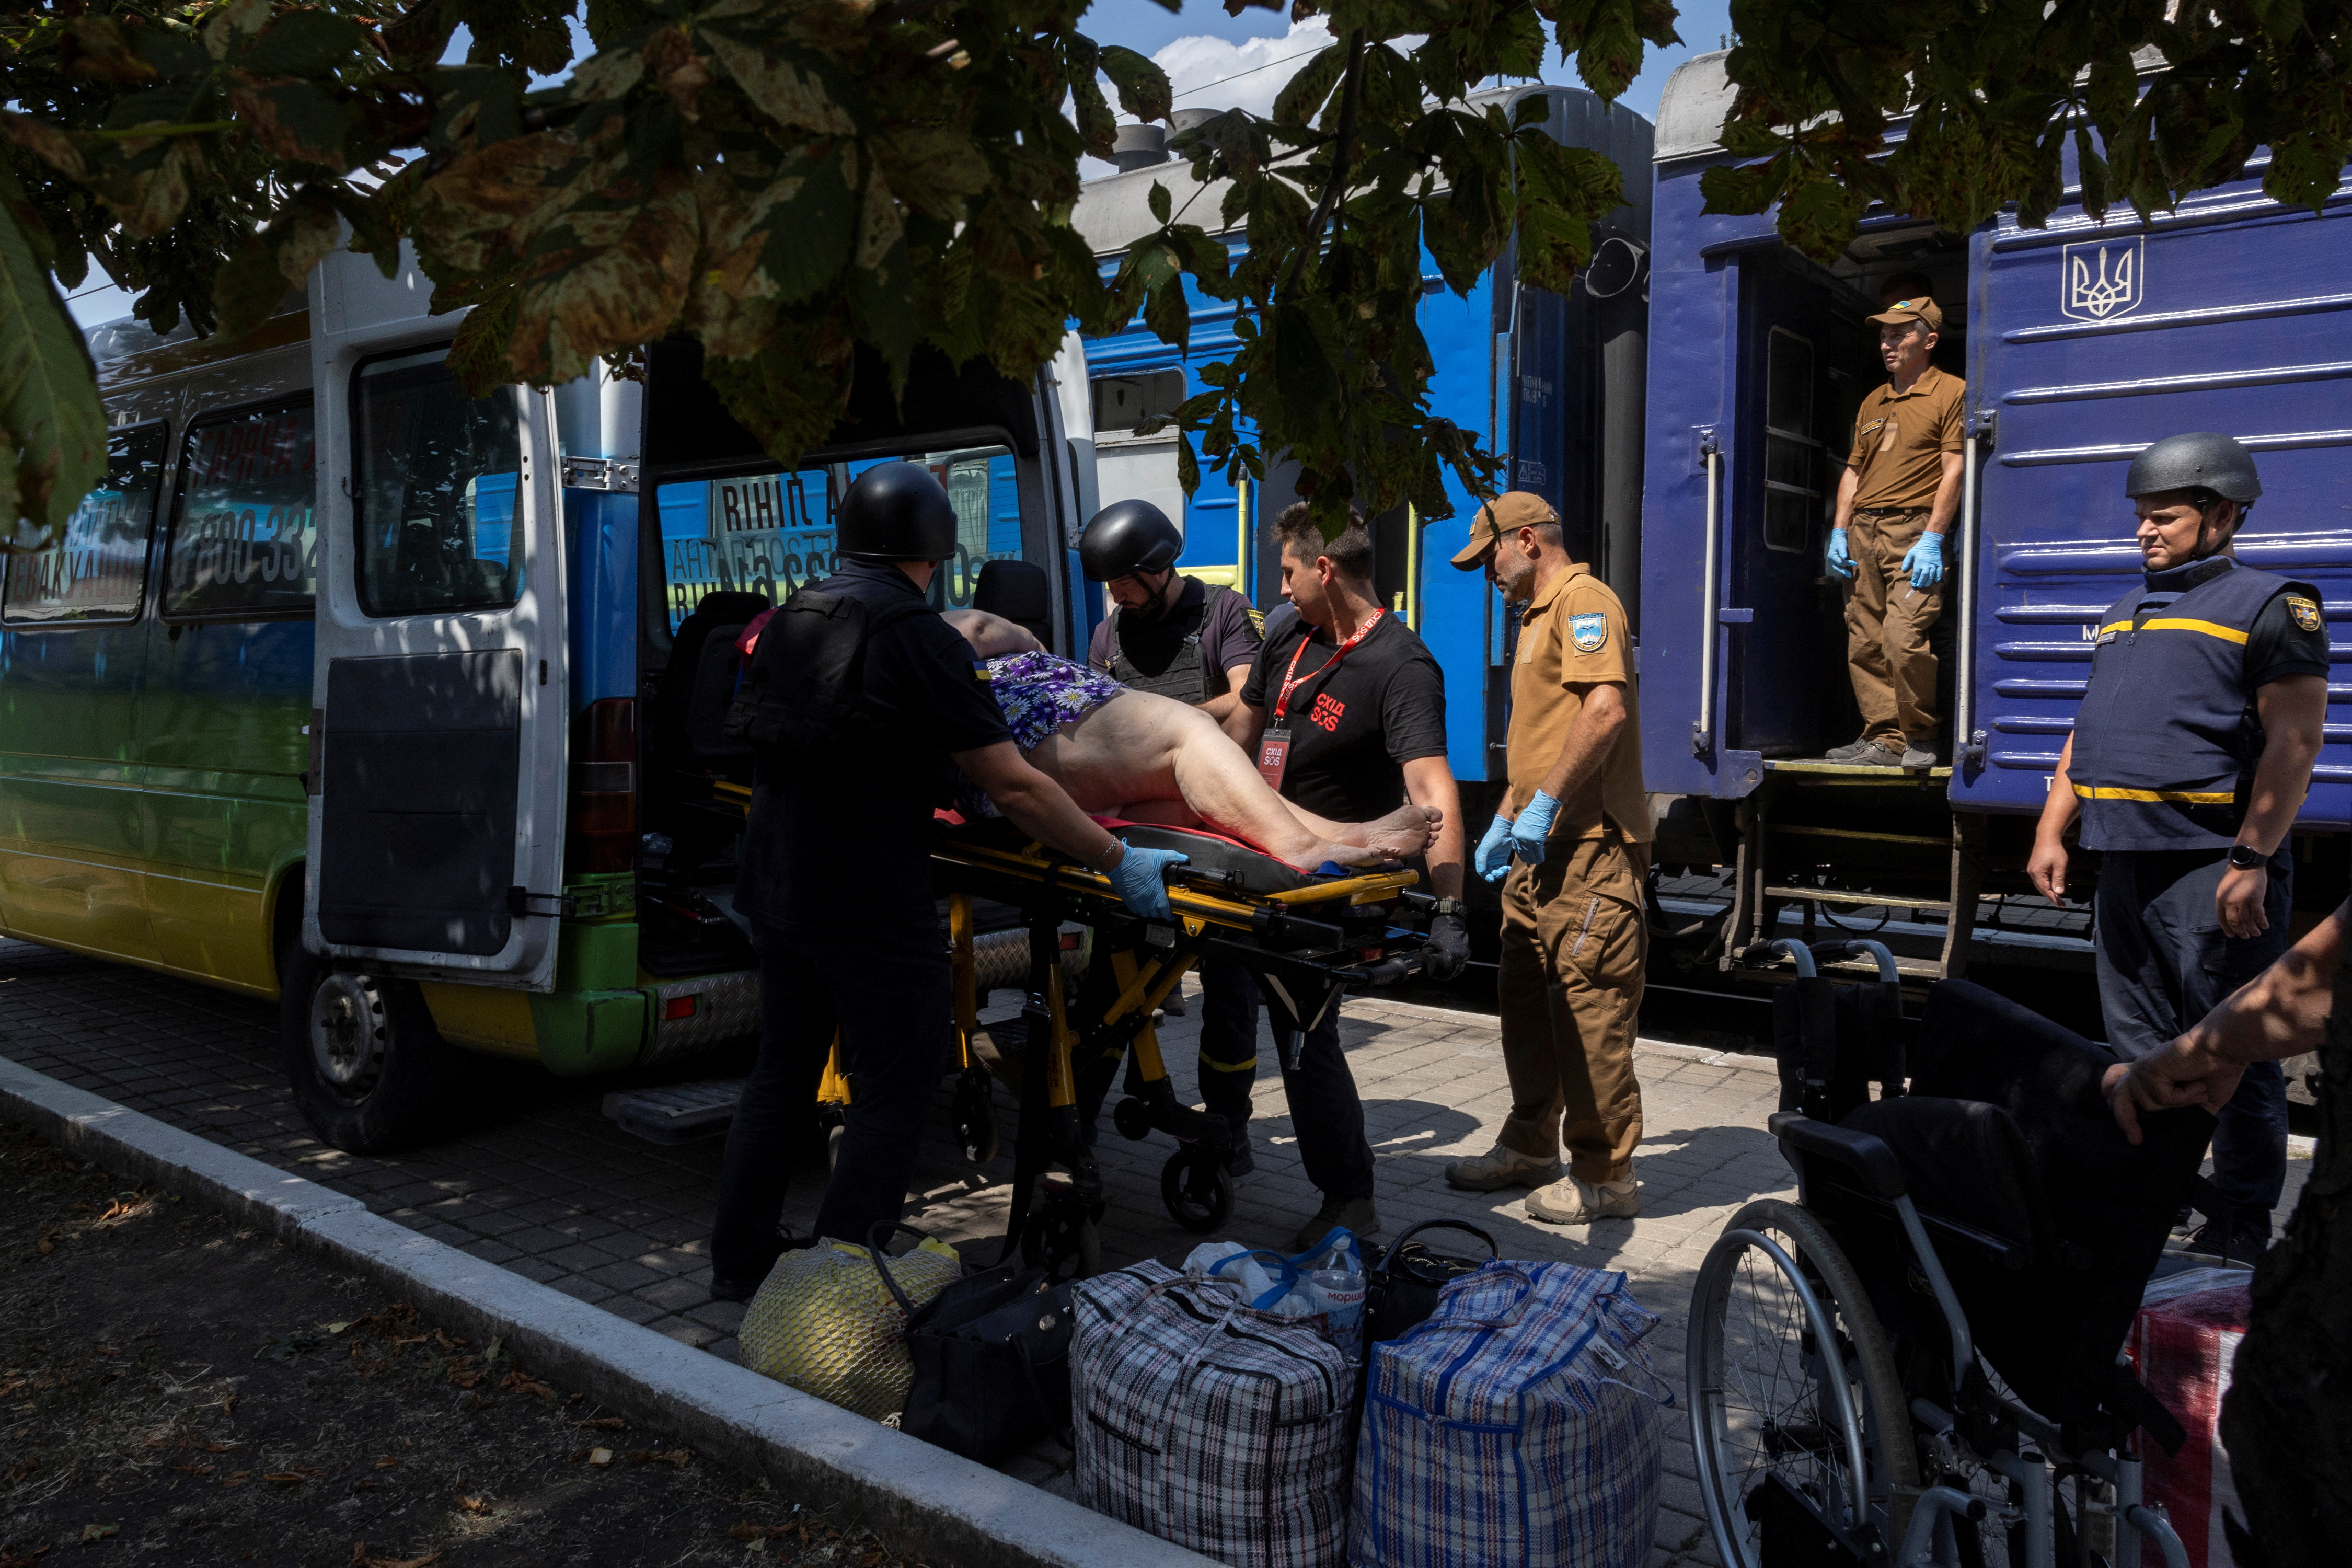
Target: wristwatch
x=2246 y=858
x=1446 y=907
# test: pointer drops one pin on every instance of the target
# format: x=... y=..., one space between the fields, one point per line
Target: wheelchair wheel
x=1197 y=1189
x=975 y=1119
x=1798 y=1416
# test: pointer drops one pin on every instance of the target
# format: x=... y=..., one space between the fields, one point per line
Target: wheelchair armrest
x=1865 y=1155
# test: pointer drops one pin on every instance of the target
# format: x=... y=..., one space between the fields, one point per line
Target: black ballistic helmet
x=1127 y=537
x=2206 y=460
x=895 y=512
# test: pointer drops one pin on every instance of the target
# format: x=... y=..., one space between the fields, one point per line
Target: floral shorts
x=1039 y=692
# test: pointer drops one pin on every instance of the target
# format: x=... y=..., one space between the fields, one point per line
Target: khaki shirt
x=1574 y=634
x=1897 y=439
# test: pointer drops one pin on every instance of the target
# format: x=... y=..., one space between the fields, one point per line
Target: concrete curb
x=918 y=1498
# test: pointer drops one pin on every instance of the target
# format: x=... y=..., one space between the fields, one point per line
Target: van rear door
x=436 y=778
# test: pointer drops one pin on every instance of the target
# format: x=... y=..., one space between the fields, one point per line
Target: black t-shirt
x=2278 y=645
x=1353 y=726
x=846 y=845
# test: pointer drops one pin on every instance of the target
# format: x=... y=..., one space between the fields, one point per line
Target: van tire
x=369 y=1070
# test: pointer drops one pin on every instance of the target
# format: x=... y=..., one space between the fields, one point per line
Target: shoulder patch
x=2305 y=611
x=1257 y=621
x=1589 y=632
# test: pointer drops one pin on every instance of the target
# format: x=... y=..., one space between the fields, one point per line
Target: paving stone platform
x=544 y=1185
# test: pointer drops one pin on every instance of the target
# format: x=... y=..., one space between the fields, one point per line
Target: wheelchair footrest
x=1138 y=1118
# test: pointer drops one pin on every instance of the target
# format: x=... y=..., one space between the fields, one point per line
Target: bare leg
x=1142 y=747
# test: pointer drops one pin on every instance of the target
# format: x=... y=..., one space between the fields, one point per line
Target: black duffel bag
x=991 y=1356
x=1401 y=1288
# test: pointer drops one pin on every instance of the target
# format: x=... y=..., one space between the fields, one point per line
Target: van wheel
x=369 y=1070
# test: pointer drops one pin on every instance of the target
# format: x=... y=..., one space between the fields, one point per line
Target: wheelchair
x=1915 y=1363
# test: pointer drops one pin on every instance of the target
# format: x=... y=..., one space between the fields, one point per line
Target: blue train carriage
x=1552 y=380
x=2081 y=343
x=404 y=707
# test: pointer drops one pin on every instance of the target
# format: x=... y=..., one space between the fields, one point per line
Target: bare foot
x=1403 y=832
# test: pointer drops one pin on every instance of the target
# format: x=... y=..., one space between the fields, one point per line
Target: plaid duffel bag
x=1206 y=1423
x=1515 y=1426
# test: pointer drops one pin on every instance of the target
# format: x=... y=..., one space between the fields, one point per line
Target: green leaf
x=1161 y=205
x=1142 y=86
x=303 y=44
x=788 y=85
x=1305 y=93
x=51 y=422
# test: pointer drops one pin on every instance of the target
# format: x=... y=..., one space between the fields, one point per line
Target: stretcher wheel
x=975 y=1119
x=1060 y=1239
x=1197 y=1189
x=1132 y=1116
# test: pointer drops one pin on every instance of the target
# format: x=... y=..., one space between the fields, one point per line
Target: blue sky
x=1214 y=61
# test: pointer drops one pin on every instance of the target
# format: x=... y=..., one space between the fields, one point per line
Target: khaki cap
x=1507 y=513
x=1920 y=309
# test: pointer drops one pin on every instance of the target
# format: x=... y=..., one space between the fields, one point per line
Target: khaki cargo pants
x=1575 y=939
x=1886 y=625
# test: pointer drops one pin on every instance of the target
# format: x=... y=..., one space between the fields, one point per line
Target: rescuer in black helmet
x=857 y=697
x=2190 y=757
x=1174 y=635
x=1163 y=631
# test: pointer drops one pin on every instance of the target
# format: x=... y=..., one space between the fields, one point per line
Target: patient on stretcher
x=1149 y=758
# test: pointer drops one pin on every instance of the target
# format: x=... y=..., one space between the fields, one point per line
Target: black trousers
x=1325 y=1108
x=890 y=996
x=2164 y=962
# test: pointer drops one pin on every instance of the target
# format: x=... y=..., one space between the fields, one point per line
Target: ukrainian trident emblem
x=2100 y=279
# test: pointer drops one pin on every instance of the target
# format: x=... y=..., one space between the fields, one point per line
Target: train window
x=1123 y=402
x=438 y=476
x=244 y=532
x=1793 y=491
x=771 y=533
x=96 y=570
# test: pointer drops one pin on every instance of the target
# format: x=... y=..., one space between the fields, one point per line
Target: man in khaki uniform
x=1895 y=505
x=1575 y=937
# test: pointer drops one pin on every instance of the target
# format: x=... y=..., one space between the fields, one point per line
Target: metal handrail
x=1709 y=630
x=1968 y=743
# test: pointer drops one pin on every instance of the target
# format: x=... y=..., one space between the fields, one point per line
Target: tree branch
x=1351 y=93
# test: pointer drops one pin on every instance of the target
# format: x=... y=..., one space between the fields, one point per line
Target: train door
x=1787 y=698
x=436 y=774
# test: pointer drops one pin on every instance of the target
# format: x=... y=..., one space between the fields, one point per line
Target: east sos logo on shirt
x=1326 y=712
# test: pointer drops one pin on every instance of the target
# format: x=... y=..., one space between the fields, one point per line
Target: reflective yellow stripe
x=1249 y=1065
x=2188 y=796
x=2114 y=626
x=2210 y=628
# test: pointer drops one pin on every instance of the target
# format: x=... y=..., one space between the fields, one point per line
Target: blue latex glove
x=1841 y=561
x=1494 y=856
x=1139 y=879
x=1924 y=562
x=1532 y=826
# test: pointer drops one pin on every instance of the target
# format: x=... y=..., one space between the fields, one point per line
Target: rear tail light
x=601 y=831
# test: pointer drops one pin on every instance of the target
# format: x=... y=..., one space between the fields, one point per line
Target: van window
x=437 y=477
x=770 y=534
x=245 y=536
x=97 y=569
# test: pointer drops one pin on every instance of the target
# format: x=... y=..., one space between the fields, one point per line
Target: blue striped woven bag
x=1208 y=1424
x=1515 y=1426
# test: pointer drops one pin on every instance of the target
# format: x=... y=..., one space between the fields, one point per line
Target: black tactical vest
x=1188 y=678
x=803 y=698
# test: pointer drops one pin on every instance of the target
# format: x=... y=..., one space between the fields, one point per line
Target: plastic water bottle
x=1341 y=1293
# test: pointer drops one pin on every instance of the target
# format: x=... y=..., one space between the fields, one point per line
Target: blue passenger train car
x=2082 y=343
x=1552 y=380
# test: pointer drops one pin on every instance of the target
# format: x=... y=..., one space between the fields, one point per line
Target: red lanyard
x=1292 y=680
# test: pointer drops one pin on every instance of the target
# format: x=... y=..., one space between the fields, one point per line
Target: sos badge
x=1274 y=755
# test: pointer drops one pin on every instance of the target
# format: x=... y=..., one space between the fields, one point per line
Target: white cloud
x=1209 y=72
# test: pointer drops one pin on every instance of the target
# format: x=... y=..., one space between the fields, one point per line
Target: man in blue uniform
x=2190 y=757
x=859 y=697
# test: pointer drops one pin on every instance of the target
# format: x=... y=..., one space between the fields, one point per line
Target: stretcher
x=1304 y=937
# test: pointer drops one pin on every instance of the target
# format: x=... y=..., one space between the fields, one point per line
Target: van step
x=676 y=1112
